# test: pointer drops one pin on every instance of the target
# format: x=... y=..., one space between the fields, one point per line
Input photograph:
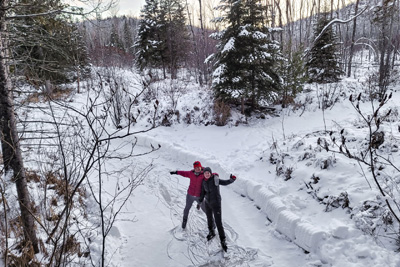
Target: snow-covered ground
x=156 y=238
x=269 y=221
x=286 y=207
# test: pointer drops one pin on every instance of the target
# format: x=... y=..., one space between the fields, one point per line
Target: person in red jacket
x=193 y=194
x=212 y=197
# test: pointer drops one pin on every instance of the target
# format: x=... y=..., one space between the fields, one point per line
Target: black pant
x=214 y=212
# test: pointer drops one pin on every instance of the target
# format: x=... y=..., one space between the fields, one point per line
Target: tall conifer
x=53 y=49
x=246 y=60
x=162 y=39
x=148 y=42
x=323 y=63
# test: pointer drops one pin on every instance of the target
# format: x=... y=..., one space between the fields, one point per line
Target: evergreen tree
x=127 y=37
x=323 y=64
x=52 y=50
x=246 y=60
x=149 y=43
x=177 y=38
x=115 y=41
x=294 y=75
x=162 y=39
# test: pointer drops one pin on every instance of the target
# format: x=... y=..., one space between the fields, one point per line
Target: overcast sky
x=130 y=7
x=133 y=7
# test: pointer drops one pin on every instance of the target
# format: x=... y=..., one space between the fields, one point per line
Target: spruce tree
x=115 y=40
x=176 y=38
x=246 y=60
x=293 y=73
x=149 y=45
x=323 y=64
x=52 y=50
x=162 y=39
x=127 y=37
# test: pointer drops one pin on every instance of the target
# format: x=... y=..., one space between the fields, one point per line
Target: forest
x=295 y=33
x=254 y=56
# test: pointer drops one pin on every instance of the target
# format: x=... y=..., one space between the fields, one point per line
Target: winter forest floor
x=293 y=204
x=273 y=214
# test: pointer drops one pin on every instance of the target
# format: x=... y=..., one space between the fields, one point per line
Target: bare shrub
x=328 y=94
x=372 y=216
x=306 y=155
x=326 y=163
x=152 y=89
x=57 y=93
x=301 y=104
x=222 y=112
x=72 y=164
x=369 y=155
x=288 y=173
x=24 y=258
x=273 y=158
x=334 y=202
x=174 y=91
x=188 y=118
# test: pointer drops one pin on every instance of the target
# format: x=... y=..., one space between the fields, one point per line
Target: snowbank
x=302 y=233
x=325 y=244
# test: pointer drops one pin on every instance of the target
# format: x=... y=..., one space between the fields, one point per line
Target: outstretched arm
x=231 y=179
x=181 y=173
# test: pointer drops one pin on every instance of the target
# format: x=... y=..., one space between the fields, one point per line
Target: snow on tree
x=149 y=44
x=323 y=64
x=163 y=37
x=177 y=37
x=245 y=67
x=294 y=75
x=51 y=48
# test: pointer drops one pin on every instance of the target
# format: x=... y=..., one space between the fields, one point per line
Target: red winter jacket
x=195 y=182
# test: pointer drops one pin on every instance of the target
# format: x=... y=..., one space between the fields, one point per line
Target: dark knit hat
x=207 y=169
x=197 y=164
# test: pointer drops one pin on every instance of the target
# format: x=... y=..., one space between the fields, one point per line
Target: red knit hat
x=197 y=164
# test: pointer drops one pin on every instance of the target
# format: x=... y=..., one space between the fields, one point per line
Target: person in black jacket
x=210 y=193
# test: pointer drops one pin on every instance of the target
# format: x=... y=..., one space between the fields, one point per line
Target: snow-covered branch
x=336 y=20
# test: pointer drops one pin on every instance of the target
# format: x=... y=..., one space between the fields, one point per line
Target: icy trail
x=148 y=233
x=252 y=241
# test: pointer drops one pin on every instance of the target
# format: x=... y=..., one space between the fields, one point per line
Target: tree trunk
x=204 y=73
x=383 y=68
x=301 y=24
x=352 y=41
x=277 y=4
x=196 y=46
x=12 y=157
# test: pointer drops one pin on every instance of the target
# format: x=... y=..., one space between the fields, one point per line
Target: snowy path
x=251 y=240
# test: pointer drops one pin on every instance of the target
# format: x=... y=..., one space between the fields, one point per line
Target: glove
x=198 y=206
x=175 y=172
x=233 y=177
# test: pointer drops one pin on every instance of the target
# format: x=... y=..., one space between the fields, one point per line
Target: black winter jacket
x=210 y=189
